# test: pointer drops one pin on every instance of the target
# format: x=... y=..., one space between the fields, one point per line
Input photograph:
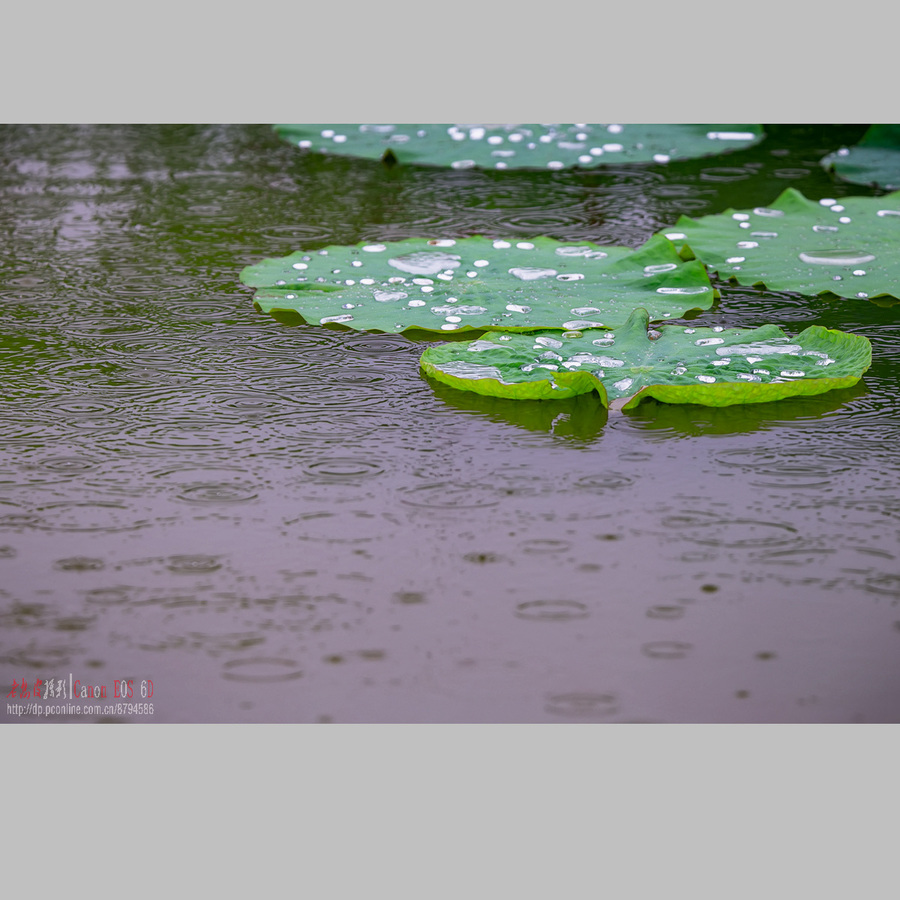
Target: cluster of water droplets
x=846 y=256
x=425 y=271
x=768 y=359
x=517 y=142
x=513 y=145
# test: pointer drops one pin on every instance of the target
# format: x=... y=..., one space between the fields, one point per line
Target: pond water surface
x=282 y=523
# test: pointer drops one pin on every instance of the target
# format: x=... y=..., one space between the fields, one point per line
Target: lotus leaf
x=521 y=146
x=875 y=160
x=480 y=284
x=848 y=248
x=711 y=366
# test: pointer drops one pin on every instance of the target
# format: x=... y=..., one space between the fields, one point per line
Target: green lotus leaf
x=521 y=146
x=875 y=160
x=848 y=248
x=674 y=364
x=480 y=284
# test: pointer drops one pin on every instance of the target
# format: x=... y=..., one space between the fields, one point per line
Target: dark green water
x=276 y=523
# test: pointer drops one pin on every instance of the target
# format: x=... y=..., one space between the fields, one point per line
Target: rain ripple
x=321 y=392
x=261 y=670
x=193 y=564
x=668 y=613
x=604 y=481
x=666 y=649
x=88 y=516
x=250 y=404
x=546 y=546
x=355 y=527
x=723 y=174
x=112 y=596
x=31 y=429
x=800 y=557
x=788 y=467
x=310 y=427
x=44 y=658
x=214 y=644
x=79 y=564
x=710 y=529
x=450 y=496
x=182 y=433
x=342 y=468
x=582 y=705
x=887 y=585
x=217 y=493
x=69 y=465
x=377 y=345
x=552 y=610
x=203 y=484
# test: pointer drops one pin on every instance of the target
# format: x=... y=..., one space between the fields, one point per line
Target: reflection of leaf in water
x=847 y=248
x=521 y=146
x=745 y=418
x=674 y=364
x=580 y=418
x=477 y=284
x=874 y=161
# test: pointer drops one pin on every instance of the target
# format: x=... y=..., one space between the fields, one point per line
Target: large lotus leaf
x=848 y=248
x=522 y=146
x=875 y=160
x=480 y=284
x=674 y=363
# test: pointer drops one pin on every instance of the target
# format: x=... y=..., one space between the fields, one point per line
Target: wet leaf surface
x=674 y=364
x=480 y=284
x=875 y=160
x=846 y=247
x=522 y=146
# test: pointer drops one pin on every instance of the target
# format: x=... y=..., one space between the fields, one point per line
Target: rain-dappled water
x=265 y=522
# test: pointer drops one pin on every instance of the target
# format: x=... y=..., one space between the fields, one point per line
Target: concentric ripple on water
x=193 y=564
x=79 y=564
x=448 y=495
x=261 y=670
x=722 y=531
x=791 y=467
x=551 y=610
x=217 y=493
x=343 y=469
x=545 y=545
x=582 y=705
x=666 y=649
x=604 y=481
